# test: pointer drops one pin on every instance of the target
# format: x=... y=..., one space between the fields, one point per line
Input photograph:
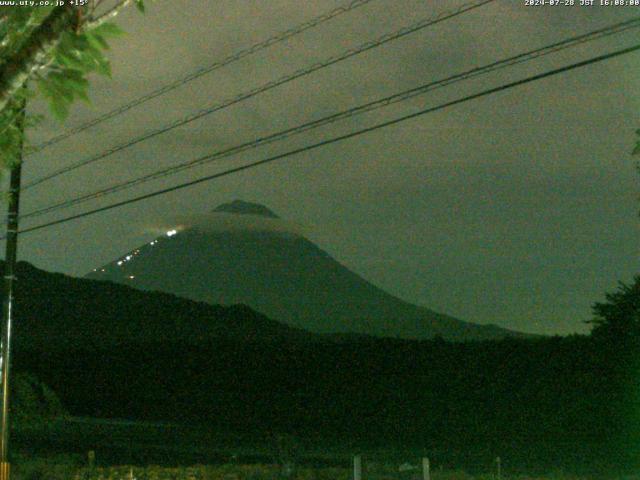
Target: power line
x=420 y=25
x=339 y=138
x=383 y=102
x=280 y=37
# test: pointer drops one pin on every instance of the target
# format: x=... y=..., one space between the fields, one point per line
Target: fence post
x=91 y=458
x=357 y=467
x=498 y=468
x=426 y=469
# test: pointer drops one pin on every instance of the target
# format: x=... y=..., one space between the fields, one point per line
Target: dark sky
x=518 y=209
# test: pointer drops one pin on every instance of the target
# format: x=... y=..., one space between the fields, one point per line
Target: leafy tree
x=619 y=316
x=56 y=48
x=33 y=402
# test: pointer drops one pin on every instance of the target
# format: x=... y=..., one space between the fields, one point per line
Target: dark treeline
x=541 y=404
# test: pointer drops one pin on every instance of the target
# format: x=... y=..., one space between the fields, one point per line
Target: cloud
x=226 y=222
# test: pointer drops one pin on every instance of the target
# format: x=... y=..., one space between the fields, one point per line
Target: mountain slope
x=245 y=254
x=58 y=311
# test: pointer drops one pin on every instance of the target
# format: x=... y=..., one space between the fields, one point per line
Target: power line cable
x=383 y=102
x=339 y=138
x=280 y=37
x=420 y=25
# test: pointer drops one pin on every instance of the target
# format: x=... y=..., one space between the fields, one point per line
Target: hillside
x=243 y=253
x=58 y=311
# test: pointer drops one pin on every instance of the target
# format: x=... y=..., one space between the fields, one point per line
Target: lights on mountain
x=129 y=257
x=131 y=277
x=171 y=233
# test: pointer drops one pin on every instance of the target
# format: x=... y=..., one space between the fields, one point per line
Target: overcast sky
x=518 y=209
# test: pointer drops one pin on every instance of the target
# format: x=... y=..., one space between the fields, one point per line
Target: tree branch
x=108 y=15
x=19 y=67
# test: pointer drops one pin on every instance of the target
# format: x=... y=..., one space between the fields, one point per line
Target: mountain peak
x=240 y=207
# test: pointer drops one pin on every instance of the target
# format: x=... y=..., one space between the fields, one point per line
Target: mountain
x=61 y=312
x=240 y=207
x=243 y=253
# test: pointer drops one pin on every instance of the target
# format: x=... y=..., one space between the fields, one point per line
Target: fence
x=408 y=471
x=359 y=470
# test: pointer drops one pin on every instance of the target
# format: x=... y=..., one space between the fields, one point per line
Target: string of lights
x=376 y=104
x=278 y=38
x=338 y=138
x=389 y=37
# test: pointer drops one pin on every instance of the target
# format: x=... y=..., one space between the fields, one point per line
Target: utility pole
x=11 y=252
x=426 y=469
x=357 y=467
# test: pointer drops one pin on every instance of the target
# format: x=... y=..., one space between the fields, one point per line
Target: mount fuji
x=243 y=253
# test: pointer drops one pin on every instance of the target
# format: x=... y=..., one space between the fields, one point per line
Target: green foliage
x=77 y=55
x=62 y=77
x=33 y=402
x=636 y=150
x=619 y=316
x=16 y=25
x=55 y=467
x=12 y=123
